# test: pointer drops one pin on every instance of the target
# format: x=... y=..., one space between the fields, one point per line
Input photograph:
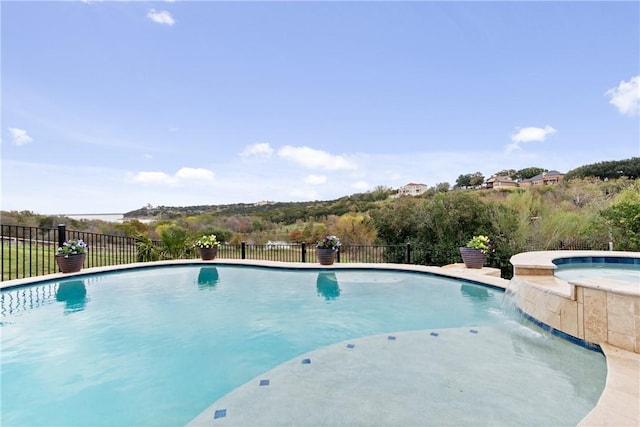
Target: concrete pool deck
x=619 y=404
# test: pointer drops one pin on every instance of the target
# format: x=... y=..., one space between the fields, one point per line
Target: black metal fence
x=30 y=251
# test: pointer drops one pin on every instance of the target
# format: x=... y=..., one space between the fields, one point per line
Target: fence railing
x=30 y=251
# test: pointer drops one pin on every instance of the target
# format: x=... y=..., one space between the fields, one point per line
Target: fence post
x=62 y=234
x=303 y=248
x=337 y=254
x=408 y=253
x=243 y=250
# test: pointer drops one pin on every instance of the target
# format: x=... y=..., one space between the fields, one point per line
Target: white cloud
x=19 y=136
x=194 y=174
x=626 y=97
x=529 y=134
x=182 y=177
x=153 y=178
x=315 y=159
x=532 y=134
x=160 y=17
x=315 y=179
x=258 y=150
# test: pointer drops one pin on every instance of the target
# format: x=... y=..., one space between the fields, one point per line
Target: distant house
x=277 y=244
x=499 y=182
x=545 y=178
x=412 y=189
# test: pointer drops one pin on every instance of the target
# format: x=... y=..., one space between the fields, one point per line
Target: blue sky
x=108 y=106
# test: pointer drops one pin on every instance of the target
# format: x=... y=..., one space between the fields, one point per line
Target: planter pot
x=70 y=263
x=472 y=258
x=207 y=254
x=326 y=256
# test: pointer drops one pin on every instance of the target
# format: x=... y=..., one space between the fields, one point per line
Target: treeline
x=584 y=211
x=629 y=168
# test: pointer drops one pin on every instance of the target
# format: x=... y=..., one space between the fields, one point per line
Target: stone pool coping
x=619 y=404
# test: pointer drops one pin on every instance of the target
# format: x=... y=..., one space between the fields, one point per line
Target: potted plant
x=71 y=255
x=326 y=249
x=208 y=247
x=476 y=250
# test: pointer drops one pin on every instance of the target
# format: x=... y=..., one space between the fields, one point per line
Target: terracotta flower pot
x=326 y=256
x=70 y=263
x=472 y=258
x=207 y=254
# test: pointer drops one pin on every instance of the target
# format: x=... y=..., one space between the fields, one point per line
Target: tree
x=624 y=218
x=477 y=179
x=442 y=187
x=381 y=192
x=506 y=172
x=296 y=236
x=629 y=168
x=527 y=173
x=355 y=229
x=397 y=220
x=463 y=181
x=132 y=228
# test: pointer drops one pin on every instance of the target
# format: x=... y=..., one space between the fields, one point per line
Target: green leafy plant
x=482 y=243
x=328 y=242
x=146 y=249
x=72 y=247
x=208 y=241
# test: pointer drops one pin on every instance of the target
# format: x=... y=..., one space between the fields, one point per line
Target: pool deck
x=363 y=399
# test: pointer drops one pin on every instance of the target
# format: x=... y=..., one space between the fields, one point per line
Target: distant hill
x=289 y=212
x=273 y=211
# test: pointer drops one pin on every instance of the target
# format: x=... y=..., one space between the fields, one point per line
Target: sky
x=110 y=106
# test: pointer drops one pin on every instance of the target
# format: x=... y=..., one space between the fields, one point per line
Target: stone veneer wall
x=589 y=310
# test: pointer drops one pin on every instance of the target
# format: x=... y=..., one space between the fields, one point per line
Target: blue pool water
x=605 y=270
x=156 y=346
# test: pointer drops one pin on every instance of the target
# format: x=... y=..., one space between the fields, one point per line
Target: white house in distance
x=412 y=189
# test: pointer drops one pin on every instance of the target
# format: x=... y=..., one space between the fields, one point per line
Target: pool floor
x=410 y=378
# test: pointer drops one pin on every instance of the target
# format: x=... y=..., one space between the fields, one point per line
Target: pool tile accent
x=306 y=361
x=391 y=338
x=434 y=334
x=351 y=345
x=219 y=413
x=264 y=383
x=473 y=331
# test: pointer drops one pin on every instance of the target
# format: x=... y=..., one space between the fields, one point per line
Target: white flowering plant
x=72 y=247
x=207 y=242
x=482 y=243
x=328 y=242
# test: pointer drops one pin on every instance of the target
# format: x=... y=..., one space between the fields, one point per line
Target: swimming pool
x=156 y=346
